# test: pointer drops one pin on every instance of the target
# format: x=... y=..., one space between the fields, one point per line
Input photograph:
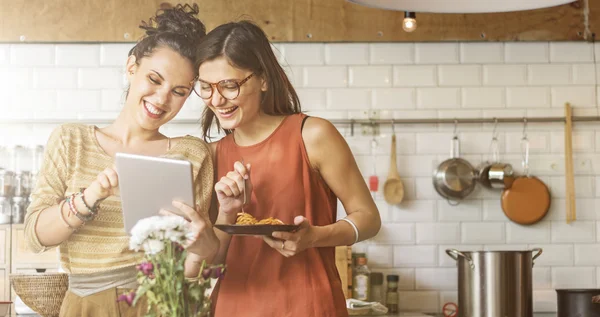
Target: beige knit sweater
x=72 y=160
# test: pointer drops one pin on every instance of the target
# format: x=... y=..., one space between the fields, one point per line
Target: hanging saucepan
x=527 y=200
x=494 y=174
x=455 y=178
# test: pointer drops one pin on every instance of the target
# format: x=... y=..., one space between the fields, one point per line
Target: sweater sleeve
x=50 y=187
x=204 y=180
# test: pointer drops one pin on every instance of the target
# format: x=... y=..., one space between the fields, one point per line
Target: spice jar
x=392 y=293
x=377 y=293
x=5 y=210
x=361 y=285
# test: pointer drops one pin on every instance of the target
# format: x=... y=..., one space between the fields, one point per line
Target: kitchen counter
x=406 y=314
x=388 y=315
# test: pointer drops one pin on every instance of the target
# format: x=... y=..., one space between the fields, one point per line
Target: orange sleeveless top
x=260 y=282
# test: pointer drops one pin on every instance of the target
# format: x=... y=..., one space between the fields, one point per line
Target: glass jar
x=5 y=210
x=37 y=159
x=18 y=209
x=6 y=183
x=391 y=300
x=361 y=285
x=5 y=159
x=20 y=159
x=22 y=184
x=377 y=293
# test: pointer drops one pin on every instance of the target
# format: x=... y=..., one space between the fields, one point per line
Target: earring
x=131 y=73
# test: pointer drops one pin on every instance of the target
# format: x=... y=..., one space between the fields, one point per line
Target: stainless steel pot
x=577 y=302
x=500 y=175
x=496 y=175
x=495 y=283
x=455 y=178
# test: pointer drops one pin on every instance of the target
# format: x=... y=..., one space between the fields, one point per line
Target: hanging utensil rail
x=352 y=122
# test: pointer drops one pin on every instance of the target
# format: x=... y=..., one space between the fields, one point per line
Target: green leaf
x=151 y=296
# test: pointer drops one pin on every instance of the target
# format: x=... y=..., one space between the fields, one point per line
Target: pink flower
x=128 y=298
x=218 y=272
x=146 y=267
x=178 y=247
x=206 y=273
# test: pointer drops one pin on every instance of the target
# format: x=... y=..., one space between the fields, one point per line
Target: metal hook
x=393 y=126
x=455 y=127
x=374 y=135
x=524 y=128
x=352 y=127
x=494 y=132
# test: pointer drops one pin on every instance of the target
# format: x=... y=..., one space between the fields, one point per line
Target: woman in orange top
x=296 y=167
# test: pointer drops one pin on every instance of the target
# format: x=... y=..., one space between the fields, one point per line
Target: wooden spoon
x=393 y=189
x=569 y=180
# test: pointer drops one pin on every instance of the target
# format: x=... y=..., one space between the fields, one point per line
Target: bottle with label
x=361 y=285
x=392 y=293
x=377 y=292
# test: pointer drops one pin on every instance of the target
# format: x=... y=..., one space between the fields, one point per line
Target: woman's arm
x=210 y=248
x=331 y=156
x=329 y=153
x=48 y=221
x=219 y=217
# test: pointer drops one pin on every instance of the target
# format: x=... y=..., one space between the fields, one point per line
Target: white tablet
x=148 y=184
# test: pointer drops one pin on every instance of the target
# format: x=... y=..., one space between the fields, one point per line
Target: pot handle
x=452 y=202
x=453 y=253
x=455 y=147
x=539 y=252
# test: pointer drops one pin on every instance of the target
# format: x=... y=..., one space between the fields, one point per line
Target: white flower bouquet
x=161 y=276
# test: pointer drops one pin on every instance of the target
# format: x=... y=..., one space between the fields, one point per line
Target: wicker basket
x=42 y=292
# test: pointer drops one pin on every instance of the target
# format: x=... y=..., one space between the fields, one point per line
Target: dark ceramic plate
x=256 y=230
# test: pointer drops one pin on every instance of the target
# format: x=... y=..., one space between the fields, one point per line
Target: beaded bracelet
x=62 y=217
x=73 y=208
x=94 y=209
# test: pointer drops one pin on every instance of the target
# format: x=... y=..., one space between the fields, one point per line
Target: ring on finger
x=282 y=245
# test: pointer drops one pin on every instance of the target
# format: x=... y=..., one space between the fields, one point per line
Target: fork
x=244 y=187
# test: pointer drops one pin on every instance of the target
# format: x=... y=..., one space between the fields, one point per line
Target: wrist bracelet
x=353 y=227
x=84 y=218
x=92 y=210
x=62 y=217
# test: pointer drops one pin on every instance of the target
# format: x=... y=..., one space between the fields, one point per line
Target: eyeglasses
x=229 y=89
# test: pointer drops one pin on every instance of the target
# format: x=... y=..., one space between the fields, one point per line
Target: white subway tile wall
x=65 y=82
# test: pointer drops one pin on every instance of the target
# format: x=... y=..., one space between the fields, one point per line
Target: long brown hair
x=246 y=46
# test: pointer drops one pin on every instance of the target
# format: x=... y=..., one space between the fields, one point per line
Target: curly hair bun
x=180 y=20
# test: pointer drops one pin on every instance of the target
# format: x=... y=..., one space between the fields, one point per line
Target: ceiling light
x=460 y=6
x=410 y=22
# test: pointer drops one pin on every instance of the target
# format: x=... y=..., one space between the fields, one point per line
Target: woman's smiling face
x=159 y=86
x=237 y=108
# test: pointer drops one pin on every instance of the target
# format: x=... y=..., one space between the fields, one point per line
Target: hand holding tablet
x=148 y=184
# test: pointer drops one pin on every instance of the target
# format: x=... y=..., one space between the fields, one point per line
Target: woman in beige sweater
x=78 y=163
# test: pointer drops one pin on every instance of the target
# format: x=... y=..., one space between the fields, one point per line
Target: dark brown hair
x=175 y=27
x=246 y=46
